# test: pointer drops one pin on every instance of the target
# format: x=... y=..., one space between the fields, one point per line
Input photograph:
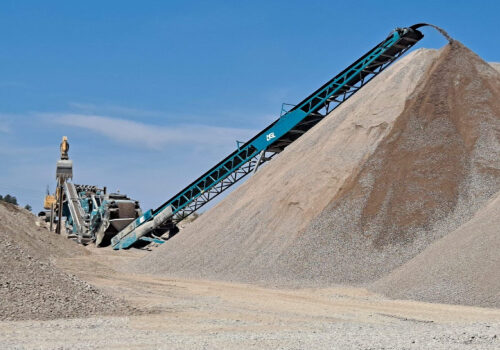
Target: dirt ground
x=194 y=314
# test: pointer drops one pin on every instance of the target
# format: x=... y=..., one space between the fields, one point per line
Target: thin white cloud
x=4 y=127
x=4 y=123
x=113 y=109
x=151 y=136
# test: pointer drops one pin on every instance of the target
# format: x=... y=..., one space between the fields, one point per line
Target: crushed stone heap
x=31 y=286
x=407 y=160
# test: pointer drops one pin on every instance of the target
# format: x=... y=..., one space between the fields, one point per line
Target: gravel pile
x=246 y=233
x=407 y=160
x=438 y=165
x=31 y=286
x=461 y=268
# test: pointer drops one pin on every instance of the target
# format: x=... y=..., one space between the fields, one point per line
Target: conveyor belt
x=277 y=136
x=75 y=209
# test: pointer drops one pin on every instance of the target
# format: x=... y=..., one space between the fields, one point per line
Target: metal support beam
x=51 y=217
x=60 y=207
x=258 y=162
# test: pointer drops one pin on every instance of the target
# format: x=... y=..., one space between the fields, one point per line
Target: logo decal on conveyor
x=270 y=136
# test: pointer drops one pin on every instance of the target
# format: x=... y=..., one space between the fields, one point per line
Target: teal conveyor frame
x=271 y=140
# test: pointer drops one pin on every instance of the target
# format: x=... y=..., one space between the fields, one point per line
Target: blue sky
x=152 y=93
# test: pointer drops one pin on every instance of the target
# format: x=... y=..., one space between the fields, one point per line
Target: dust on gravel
x=31 y=286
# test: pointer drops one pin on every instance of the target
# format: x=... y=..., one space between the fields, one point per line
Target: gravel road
x=127 y=333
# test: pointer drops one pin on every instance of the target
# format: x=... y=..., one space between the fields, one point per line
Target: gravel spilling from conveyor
x=407 y=160
x=439 y=29
x=31 y=286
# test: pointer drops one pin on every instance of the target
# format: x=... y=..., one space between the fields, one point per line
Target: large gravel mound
x=438 y=165
x=249 y=231
x=31 y=286
x=461 y=268
x=406 y=161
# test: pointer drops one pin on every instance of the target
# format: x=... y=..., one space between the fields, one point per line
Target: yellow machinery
x=49 y=201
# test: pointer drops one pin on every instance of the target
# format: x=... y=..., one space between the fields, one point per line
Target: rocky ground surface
x=196 y=314
x=125 y=333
